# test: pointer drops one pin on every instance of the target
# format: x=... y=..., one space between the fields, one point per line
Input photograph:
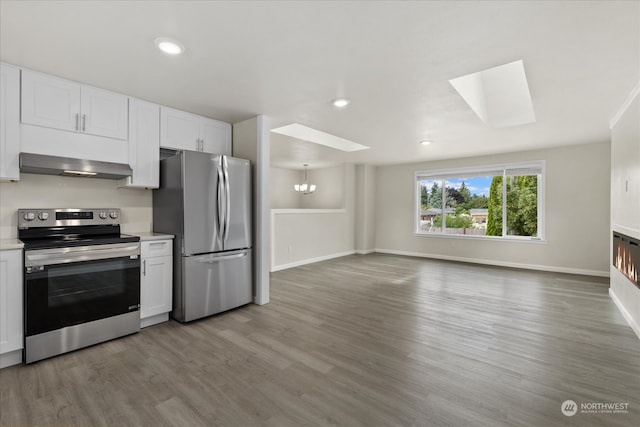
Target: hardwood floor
x=373 y=340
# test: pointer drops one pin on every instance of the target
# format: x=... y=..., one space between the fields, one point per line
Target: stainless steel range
x=81 y=279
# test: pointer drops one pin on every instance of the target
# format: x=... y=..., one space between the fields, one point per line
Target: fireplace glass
x=626 y=256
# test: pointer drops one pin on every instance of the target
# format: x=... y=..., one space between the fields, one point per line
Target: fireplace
x=626 y=256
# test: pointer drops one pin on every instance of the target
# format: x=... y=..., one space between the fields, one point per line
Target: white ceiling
x=394 y=60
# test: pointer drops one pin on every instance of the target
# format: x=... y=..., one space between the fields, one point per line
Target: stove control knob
x=43 y=216
x=113 y=214
x=102 y=215
x=29 y=216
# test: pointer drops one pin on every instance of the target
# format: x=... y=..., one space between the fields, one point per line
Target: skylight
x=308 y=134
x=499 y=96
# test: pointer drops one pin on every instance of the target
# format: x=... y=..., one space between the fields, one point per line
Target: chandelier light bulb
x=305 y=188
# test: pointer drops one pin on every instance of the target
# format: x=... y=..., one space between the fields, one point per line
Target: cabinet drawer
x=156 y=248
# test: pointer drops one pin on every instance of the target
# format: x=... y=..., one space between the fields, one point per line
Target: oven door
x=69 y=286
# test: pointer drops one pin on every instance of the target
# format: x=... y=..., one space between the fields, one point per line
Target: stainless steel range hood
x=66 y=166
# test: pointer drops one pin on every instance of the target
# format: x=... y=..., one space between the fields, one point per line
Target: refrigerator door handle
x=220 y=196
x=227 y=213
x=218 y=258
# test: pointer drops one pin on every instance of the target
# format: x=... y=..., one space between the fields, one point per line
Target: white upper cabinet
x=61 y=104
x=216 y=136
x=9 y=122
x=50 y=101
x=103 y=113
x=180 y=130
x=144 y=145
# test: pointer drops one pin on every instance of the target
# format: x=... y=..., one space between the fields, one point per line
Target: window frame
x=484 y=170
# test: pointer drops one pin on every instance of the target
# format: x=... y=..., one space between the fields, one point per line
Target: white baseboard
x=310 y=261
x=365 y=251
x=11 y=358
x=498 y=263
x=627 y=316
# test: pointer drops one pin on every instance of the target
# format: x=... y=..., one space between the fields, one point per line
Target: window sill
x=486 y=238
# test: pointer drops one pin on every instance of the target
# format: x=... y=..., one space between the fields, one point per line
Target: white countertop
x=13 y=244
x=10 y=244
x=145 y=236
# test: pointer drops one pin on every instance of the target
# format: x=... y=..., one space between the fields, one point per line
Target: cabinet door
x=144 y=144
x=9 y=123
x=179 y=130
x=10 y=300
x=216 y=136
x=156 y=286
x=50 y=101
x=104 y=113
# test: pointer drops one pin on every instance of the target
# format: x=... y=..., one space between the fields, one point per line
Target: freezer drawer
x=216 y=282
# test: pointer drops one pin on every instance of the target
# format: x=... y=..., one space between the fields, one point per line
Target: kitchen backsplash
x=46 y=191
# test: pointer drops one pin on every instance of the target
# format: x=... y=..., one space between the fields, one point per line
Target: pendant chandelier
x=305 y=187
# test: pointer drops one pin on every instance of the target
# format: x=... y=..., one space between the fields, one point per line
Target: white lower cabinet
x=11 y=335
x=156 y=282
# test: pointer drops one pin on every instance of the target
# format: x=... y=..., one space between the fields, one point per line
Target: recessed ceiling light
x=341 y=102
x=425 y=142
x=169 y=46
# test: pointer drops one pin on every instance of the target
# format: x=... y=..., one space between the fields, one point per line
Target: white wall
x=305 y=236
x=301 y=236
x=577 y=211
x=625 y=199
x=330 y=188
x=329 y=194
x=283 y=195
x=50 y=191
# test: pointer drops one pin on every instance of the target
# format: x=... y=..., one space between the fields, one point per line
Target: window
x=503 y=201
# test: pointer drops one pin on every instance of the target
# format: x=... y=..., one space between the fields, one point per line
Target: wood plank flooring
x=374 y=340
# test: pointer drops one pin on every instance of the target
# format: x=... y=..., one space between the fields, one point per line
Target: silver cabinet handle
x=219 y=196
x=215 y=259
x=78 y=122
x=80 y=253
x=227 y=195
x=144 y=267
x=84 y=122
x=157 y=244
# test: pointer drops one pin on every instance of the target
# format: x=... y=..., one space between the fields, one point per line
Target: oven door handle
x=80 y=253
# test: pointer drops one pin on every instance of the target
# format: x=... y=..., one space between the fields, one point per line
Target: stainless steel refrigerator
x=205 y=201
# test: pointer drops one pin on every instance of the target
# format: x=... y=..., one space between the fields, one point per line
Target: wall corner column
x=251 y=142
x=365 y=205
